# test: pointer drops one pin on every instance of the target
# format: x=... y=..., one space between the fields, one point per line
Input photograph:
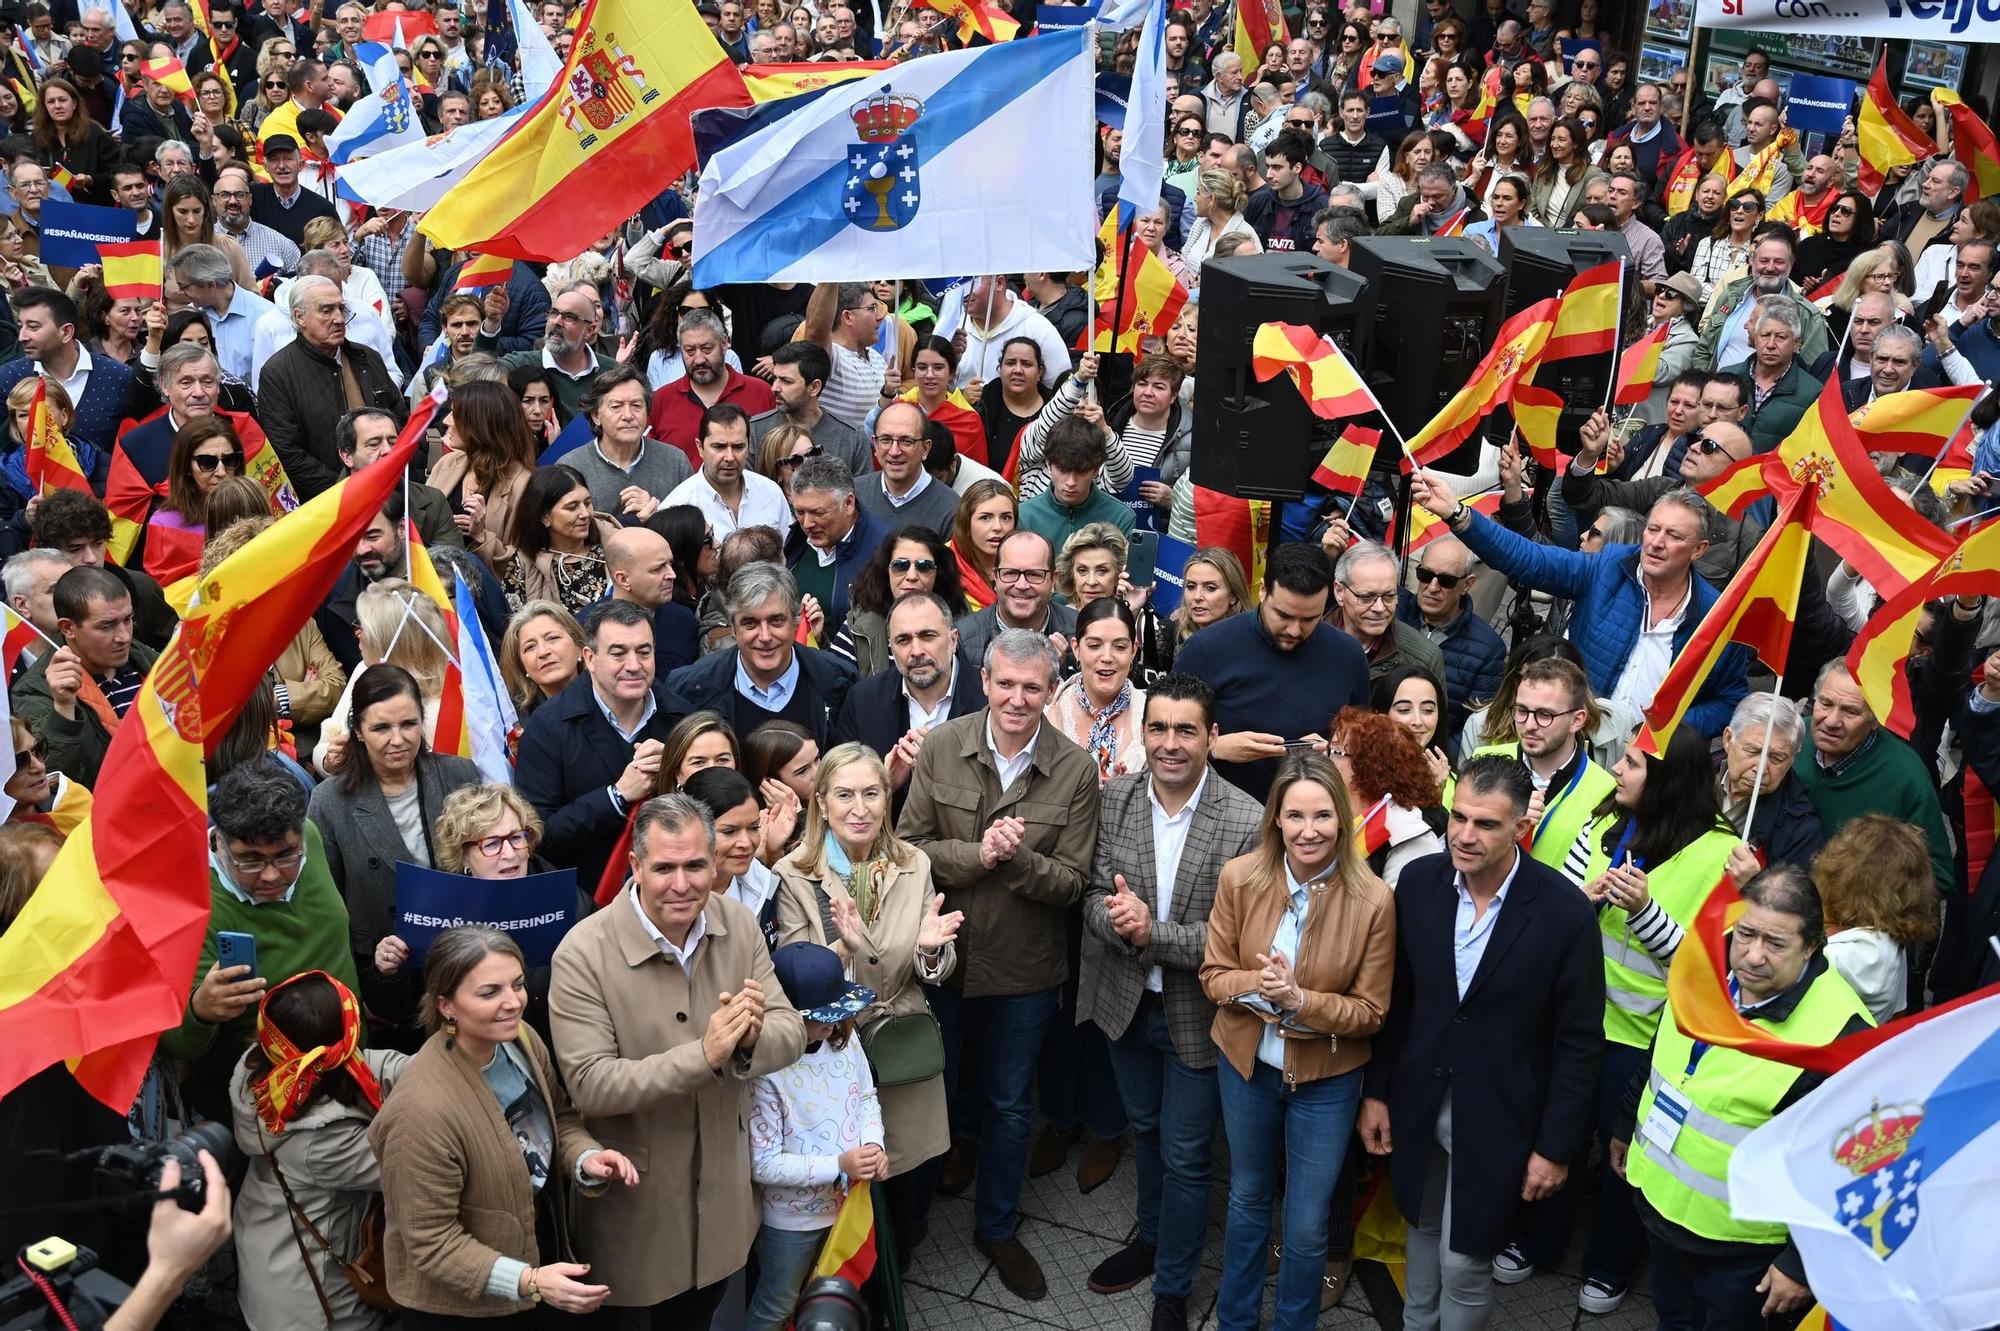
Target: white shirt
x=854 y=388
x=754 y=888
x=77 y=379
x=1011 y=769
x=923 y=718
x=683 y=955
x=763 y=504
x=982 y=350
x=1170 y=834
x=898 y=500
x=1653 y=653
x=970 y=473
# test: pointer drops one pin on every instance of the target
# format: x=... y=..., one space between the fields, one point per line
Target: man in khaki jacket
x=664 y=1008
x=1006 y=808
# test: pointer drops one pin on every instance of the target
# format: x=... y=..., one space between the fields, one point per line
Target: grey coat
x=976 y=631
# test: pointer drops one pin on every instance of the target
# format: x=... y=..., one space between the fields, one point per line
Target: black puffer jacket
x=300 y=397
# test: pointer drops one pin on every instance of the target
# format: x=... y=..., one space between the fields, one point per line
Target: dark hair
x=1383 y=697
x=306 y=1011
x=1291 y=145
x=942 y=347
x=1790 y=890
x=181 y=320
x=183 y=496
x=454 y=954
x=870 y=590
x=376 y=684
x=1599 y=215
x=814 y=364
x=546 y=488
x=1106 y=607
x=722 y=413
x=627 y=613
x=60 y=307
x=1030 y=343
x=1179 y=686
x=685 y=530
x=1736 y=381
x=1074 y=445
x=492 y=432
x=69 y=515
x=346 y=428
x=617 y=374
x=76 y=589
x=1496 y=773
x=521 y=376
x=1677 y=806
x=258 y=802
x=1301 y=568
x=770 y=746
x=720 y=789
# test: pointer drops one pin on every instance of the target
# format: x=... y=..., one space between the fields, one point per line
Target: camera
x=127 y=1176
x=831 y=1303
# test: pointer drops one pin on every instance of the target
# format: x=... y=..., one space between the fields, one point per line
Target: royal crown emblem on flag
x=605 y=87
x=397 y=112
x=1817 y=470
x=1879 y=1207
x=883 y=190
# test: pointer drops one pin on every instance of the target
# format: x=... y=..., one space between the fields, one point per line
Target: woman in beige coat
x=489 y=455
x=856 y=887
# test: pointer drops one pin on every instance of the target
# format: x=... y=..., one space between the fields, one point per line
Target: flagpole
x=1118 y=298
x=1617 y=339
x=409 y=555
x=1763 y=762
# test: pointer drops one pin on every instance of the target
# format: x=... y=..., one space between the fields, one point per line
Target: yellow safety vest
x=1564 y=812
x=1718 y=1098
x=1635 y=981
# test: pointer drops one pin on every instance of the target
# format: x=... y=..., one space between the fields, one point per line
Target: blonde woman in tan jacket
x=1301 y=951
x=855 y=886
x=479 y=1148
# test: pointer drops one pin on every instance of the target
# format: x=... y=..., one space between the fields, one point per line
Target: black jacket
x=301 y=397
x=1261 y=212
x=824 y=680
x=1355 y=160
x=1523 y=1046
x=568 y=760
x=877 y=715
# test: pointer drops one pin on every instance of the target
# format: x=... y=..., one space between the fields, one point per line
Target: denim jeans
x=1707 y=1293
x=1012 y=1027
x=1172 y=1110
x=1296 y=1136
x=784 y=1259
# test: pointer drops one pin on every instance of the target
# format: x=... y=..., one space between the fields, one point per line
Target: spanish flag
x=850 y=1245
x=1973 y=144
x=168 y=69
x=71 y=806
x=1537 y=415
x=1258 y=24
x=1922 y=421
x=51 y=462
x=131 y=268
x=482 y=271
x=1240 y=526
x=1150 y=300
x=1686 y=173
x=19 y=636
x=1638 y=367
x=968 y=432
x=1426 y=526
x=102 y=958
x=1514 y=354
x=451 y=734
x=1344 y=469
x=1884 y=133
x=1587 y=314
x=1325 y=378
x=976 y=19
x=1857 y=514
x=1879 y=655
x=1756 y=609
x=604 y=136
x=1761 y=171
x=1808 y=219
x=767 y=83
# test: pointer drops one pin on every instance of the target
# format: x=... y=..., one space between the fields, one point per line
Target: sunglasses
x=1300 y=124
x=1745 y=206
x=1189 y=133
x=208 y=462
x=1843 y=210
x=924 y=566
x=1426 y=576
x=40 y=754
x=680 y=250
x=275 y=83
x=796 y=458
x=1709 y=448
x=1593 y=535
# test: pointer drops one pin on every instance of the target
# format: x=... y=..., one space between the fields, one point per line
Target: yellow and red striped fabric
x=1258 y=24
x=482 y=271
x=1808 y=219
x=131 y=268
x=850 y=1245
x=72 y=805
x=1686 y=173
x=968 y=432
x=1151 y=299
x=1757 y=609
x=1240 y=526
x=1325 y=378
x=976 y=19
x=1973 y=144
x=1587 y=314
x=1537 y=413
x=1514 y=354
x=767 y=83
x=1922 y=421
x=1344 y=469
x=169 y=70
x=1882 y=649
x=1884 y=133
x=52 y=464
x=1426 y=527
x=452 y=735
x=102 y=958
x=1638 y=366
x=20 y=634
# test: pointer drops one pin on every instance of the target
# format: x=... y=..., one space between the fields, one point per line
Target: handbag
x=364 y=1271
x=904 y=1048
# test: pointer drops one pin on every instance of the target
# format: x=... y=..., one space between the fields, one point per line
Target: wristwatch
x=1457 y=518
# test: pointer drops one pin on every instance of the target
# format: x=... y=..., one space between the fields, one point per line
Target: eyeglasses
x=40 y=754
x=925 y=566
x=208 y=462
x=1745 y=206
x=274 y=83
x=1594 y=535
x=1370 y=598
x=251 y=866
x=897 y=441
x=680 y=250
x=793 y=461
x=1033 y=577
x=1540 y=716
x=1841 y=210
x=1300 y=124
x=1444 y=580
x=491 y=846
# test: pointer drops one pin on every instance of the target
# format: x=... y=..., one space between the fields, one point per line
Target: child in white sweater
x=815 y=1127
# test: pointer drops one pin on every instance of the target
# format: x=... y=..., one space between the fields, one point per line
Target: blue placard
x=1144 y=513
x=1168 y=567
x=1114 y=91
x=71 y=232
x=1048 y=18
x=1817 y=104
x=1386 y=115
x=1573 y=46
x=535 y=911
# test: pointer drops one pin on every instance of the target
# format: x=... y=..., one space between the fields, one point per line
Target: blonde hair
x=381 y=610
x=1222 y=186
x=777 y=446
x=468 y=811
x=22 y=393
x=1090 y=536
x=1852 y=285
x=1224 y=561
x=1267 y=870
x=519 y=687
x=226 y=542
x=321 y=232
x=811 y=855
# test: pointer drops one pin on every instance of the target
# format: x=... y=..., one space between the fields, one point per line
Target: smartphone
x=1301 y=746
x=234 y=949
x=1142 y=557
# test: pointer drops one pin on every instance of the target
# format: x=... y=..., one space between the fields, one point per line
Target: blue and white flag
x=1118 y=15
x=489 y=708
x=575 y=435
x=1886 y=1176
x=381 y=119
x=966 y=161
x=1142 y=159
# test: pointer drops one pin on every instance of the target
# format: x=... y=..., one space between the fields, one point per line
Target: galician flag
x=1886 y=1176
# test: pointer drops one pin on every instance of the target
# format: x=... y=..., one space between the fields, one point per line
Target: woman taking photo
x=913 y=559
x=540 y=655
x=1391 y=789
x=855 y=886
x=1218 y=211
x=301 y=1103
x=477 y=1203
x=1727 y=248
x=1301 y=947
x=1098 y=708
x=488 y=458
x=1212 y=589
x=987 y=515
x=70 y=139
x=555 y=549
x=1564 y=174
x=377 y=813
x=205 y=451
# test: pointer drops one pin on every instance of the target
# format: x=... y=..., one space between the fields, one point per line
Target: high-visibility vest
x=1635 y=981
x=1727 y=1094
x=1564 y=812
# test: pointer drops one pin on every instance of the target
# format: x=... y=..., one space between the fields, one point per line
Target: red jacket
x=676 y=415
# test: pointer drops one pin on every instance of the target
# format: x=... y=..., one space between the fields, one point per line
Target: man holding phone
x=273 y=900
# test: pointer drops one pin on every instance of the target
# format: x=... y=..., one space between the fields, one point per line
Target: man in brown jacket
x=1006 y=808
x=664 y=1008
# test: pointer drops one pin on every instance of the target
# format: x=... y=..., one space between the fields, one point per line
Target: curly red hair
x=1384 y=759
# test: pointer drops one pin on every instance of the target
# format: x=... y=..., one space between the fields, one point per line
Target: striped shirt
x=121 y=687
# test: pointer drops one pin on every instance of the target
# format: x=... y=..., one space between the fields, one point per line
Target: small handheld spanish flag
x=976 y=19
x=1344 y=469
x=63 y=176
x=169 y=70
x=483 y=271
x=51 y=462
x=131 y=268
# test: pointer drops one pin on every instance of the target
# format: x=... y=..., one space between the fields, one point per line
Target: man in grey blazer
x=1163 y=836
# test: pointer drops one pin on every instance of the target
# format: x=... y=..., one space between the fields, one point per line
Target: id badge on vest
x=1668 y=1116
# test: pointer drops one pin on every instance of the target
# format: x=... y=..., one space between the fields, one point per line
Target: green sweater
x=1887 y=778
x=307 y=933
x=1056 y=523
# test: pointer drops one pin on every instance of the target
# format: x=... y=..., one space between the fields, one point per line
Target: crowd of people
x=914 y=841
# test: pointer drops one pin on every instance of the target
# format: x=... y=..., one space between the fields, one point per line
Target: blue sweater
x=103 y=405
x=1260 y=688
x=1610 y=606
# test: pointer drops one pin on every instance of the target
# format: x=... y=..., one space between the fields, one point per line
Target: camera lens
x=831 y=1303
x=186 y=1147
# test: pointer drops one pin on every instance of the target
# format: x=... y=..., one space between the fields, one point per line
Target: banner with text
x=71 y=232
x=535 y=911
x=1919 y=20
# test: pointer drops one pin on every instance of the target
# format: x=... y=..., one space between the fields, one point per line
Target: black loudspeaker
x=1254 y=440
x=1436 y=313
x=1540 y=263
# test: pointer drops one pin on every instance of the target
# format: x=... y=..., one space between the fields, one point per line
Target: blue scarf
x=865 y=888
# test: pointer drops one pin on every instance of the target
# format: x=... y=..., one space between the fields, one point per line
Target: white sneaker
x=1598 y=1298
x=1512 y=1266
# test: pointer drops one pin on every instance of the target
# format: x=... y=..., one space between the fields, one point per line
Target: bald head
x=641 y=564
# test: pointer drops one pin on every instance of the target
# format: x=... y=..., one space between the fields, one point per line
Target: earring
x=450 y=1031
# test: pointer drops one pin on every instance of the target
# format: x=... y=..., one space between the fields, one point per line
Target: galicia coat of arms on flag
x=883 y=191
x=1879 y=1207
